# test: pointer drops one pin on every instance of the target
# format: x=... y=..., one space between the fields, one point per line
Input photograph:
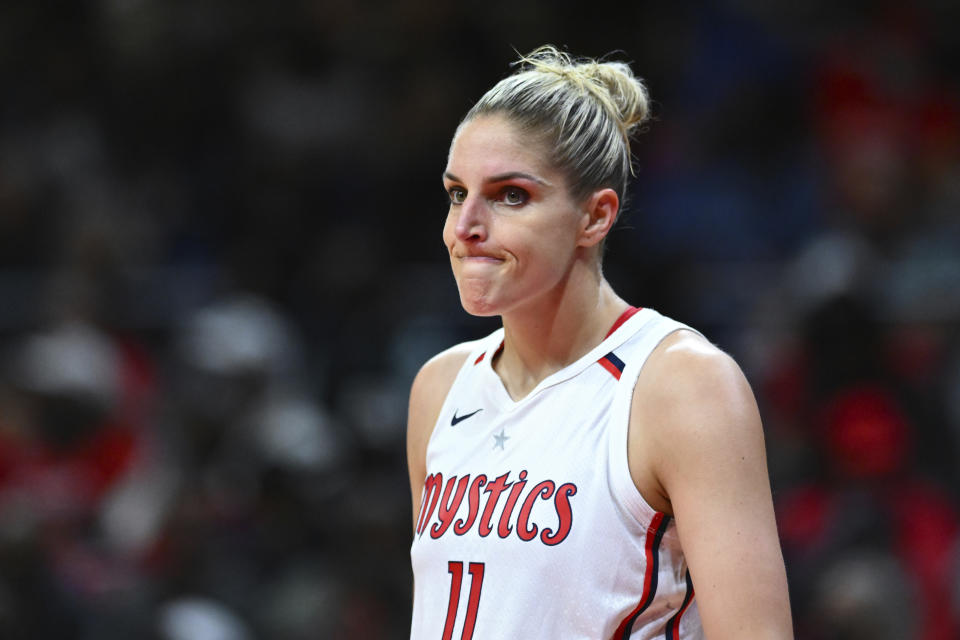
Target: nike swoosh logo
x=455 y=419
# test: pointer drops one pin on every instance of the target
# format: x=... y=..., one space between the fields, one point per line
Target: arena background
x=220 y=267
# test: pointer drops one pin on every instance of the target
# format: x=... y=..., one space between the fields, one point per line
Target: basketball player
x=589 y=470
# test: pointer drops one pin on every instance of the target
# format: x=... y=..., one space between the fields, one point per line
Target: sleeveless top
x=530 y=524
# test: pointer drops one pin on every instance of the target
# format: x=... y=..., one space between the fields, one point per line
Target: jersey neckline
x=625 y=326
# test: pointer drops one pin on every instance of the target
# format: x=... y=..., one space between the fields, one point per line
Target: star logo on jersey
x=455 y=420
x=500 y=439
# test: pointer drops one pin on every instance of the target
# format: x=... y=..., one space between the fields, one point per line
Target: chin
x=477 y=298
x=478 y=303
x=479 y=308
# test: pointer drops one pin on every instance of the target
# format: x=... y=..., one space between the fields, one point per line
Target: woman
x=590 y=470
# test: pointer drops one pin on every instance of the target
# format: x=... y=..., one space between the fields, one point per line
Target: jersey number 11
x=476 y=584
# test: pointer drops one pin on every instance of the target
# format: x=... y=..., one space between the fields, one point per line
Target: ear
x=598 y=216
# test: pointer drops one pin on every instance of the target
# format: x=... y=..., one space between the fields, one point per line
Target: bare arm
x=696 y=450
x=429 y=389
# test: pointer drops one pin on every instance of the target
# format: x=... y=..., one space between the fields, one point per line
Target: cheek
x=547 y=249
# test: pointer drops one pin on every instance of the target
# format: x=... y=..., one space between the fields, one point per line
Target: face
x=512 y=229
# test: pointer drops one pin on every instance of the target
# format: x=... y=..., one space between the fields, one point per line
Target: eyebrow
x=503 y=177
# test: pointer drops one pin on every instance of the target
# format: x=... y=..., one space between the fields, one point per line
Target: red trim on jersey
x=609 y=366
x=673 y=626
x=655 y=531
x=495 y=354
x=626 y=315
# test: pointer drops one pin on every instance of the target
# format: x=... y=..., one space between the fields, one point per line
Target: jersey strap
x=636 y=355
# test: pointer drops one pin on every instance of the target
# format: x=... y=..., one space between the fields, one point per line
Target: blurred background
x=221 y=266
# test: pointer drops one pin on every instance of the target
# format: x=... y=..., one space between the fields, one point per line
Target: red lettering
x=462 y=526
x=543 y=490
x=504 y=528
x=450 y=497
x=495 y=488
x=562 y=504
x=431 y=486
x=448 y=508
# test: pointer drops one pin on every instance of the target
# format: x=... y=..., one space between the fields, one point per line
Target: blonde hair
x=585 y=110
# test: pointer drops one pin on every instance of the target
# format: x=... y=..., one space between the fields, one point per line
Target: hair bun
x=582 y=111
x=622 y=94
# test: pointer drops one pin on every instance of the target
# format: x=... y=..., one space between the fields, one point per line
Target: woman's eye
x=457 y=195
x=514 y=196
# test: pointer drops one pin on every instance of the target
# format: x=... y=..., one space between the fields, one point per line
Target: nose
x=472 y=220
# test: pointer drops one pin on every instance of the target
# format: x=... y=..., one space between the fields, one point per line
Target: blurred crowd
x=220 y=268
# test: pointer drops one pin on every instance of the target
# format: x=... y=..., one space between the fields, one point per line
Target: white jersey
x=530 y=524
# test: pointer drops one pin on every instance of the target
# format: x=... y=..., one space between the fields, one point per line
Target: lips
x=477 y=257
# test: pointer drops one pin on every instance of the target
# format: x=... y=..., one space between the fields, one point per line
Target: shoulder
x=692 y=410
x=429 y=389
x=687 y=367
x=701 y=446
x=436 y=376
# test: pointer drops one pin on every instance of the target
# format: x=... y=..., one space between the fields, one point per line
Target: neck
x=547 y=335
